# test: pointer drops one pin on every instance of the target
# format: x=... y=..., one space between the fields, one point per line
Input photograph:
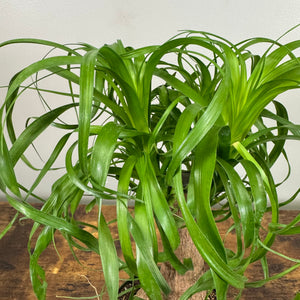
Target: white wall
x=140 y=23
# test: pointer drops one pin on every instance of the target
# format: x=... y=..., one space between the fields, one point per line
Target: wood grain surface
x=68 y=278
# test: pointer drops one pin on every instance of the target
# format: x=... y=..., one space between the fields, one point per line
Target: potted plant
x=183 y=128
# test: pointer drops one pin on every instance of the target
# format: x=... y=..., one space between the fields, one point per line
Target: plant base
x=180 y=283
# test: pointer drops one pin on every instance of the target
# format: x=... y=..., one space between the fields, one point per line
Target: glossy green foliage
x=197 y=104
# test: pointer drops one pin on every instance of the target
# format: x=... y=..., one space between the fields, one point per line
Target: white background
x=140 y=23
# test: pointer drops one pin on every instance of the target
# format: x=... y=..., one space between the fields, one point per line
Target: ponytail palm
x=197 y=104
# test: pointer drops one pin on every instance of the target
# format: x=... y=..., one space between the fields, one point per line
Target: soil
x=126 y=286
x=129 y=284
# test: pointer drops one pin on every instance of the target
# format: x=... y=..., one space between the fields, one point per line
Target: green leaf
x=160 y=204
x=34 y=130
x=37 y=274
x=204 y=246
x=87 y=75
x=54 y=222
x=100 y=162
x=221 y=286
x=39 y=42
x=9 y=226
x=102 y=153
x=56 y=151
x=203 y=170
x=297 y=297
x=257 y=190
x=185 y=89
x=201 y=128
x=151 y=279
x=204 y=283
x=122 y=213
x=224 y=144
x=7 y=174
x=43 y=64
x=109 y=258
x=243 y=201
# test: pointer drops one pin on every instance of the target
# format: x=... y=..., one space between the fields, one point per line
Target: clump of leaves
x=197 y=104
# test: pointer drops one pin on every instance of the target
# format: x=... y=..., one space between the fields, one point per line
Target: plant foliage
x=197 y=104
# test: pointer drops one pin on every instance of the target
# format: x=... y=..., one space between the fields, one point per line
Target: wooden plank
x=66 y=277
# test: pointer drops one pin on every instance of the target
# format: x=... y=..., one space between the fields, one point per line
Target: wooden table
x=66 y=277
